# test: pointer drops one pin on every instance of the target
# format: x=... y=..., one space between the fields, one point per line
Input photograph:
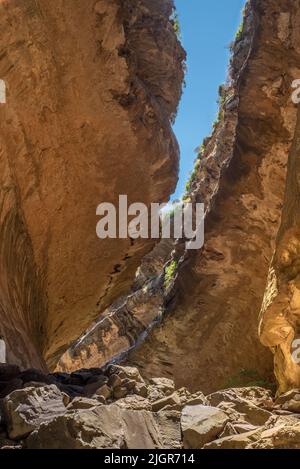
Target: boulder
x=119 y=392
x=134 y=403
x=173 y=400
x=170 y=429
x=256 y=395
x=165 y=384
x=289 y=401
x=101 y=427
x=82 y=403
x=279 y=437
x=104 y=391
x=201 y=424
x=25 y=409
x=243 y=404
x=241 y=441
x=128 y=372
x=115 y=381
x=140 y=389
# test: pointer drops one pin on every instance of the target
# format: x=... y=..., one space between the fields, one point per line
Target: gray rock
x=128 y=372
x=102 y=427
x=25 y=409
x=140 y=389
x=165 y=384
x=241 y=441
x=82 y=403
x=201 y=424
x=104 y=391
x=173 y=400
x=115 y=381
x=119 y=392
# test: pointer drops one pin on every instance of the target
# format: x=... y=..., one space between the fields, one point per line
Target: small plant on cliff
x=239 y=32
x=192 y=177
x=170 y=272
x=176 y=24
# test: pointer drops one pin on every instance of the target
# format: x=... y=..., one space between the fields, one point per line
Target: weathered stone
x=239 y=407
x=104 y=391
x=289 y=401
x=134 y=403
x=129 y=384
x=26 y=409
x=128 y=372
x=82 y=403
x=256 y=395
x=241 y=441
x=119 y=392
x=114 y=381
x=102 y=427
x=170 y=429
x=56 y=280
x=165 y=384
x=172 y=400
x=201 y=424
x=205 y=351
x=282 y=437
x=140 y=389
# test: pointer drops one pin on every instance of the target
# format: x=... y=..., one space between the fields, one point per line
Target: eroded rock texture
x=91 y=89
x=280 y=315
x=211 y=334
x=127 y=320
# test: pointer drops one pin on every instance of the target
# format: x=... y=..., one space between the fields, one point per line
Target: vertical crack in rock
x=211 y=332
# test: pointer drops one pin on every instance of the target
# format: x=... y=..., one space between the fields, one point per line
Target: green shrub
x=192 y=176
x=176 y=24
x=239 y=32
x=170 y=272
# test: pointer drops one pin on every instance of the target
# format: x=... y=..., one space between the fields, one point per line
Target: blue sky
x=207 y=28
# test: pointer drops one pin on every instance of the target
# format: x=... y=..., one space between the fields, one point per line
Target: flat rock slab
x=102 y=427
x=201 y=424
x=25 y=409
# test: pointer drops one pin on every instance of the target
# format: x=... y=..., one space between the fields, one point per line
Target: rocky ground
x=116 y=408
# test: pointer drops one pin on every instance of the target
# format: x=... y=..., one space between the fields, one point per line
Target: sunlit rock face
x=212 y=333
x=91 y=89
x=280 y=315
x=127 y=320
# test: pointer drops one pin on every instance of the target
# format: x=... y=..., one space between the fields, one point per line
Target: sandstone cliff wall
x=91 y=89
x=211 y=334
